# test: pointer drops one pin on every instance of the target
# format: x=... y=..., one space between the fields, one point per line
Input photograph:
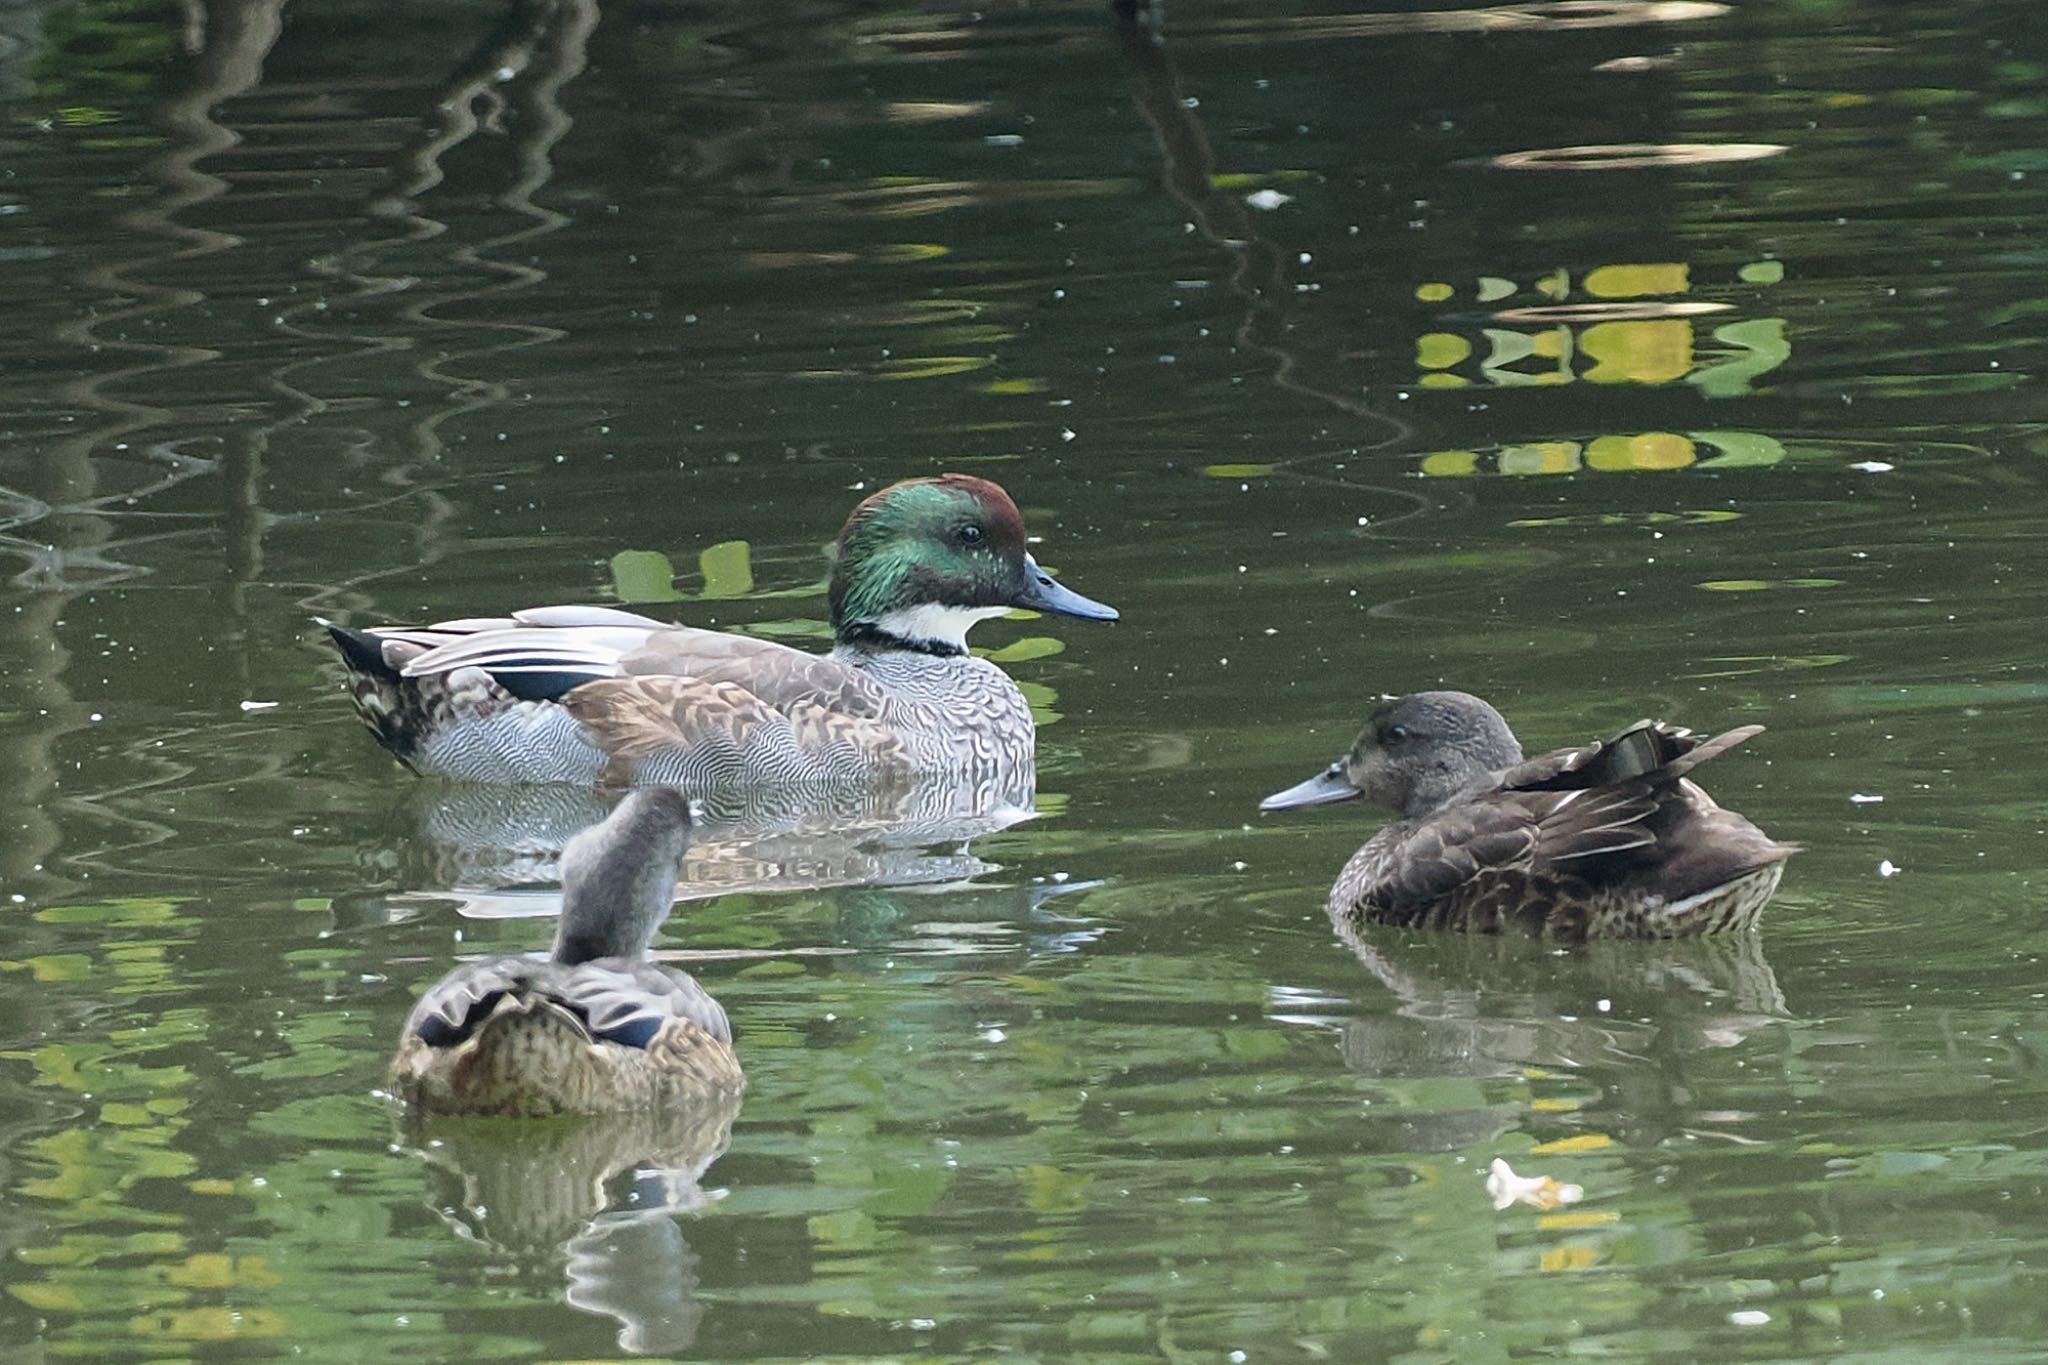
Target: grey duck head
x=1415 y=754
x=619 y=877
x=923 y=560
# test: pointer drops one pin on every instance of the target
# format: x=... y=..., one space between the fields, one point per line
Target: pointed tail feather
x=361 y=651
x=1713 y=748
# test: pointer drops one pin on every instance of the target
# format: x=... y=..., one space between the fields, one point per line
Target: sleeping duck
x=579 y=694
x=1611 y=840
x=594 y=1027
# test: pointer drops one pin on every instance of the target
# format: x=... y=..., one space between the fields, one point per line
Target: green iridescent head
x=923 y=560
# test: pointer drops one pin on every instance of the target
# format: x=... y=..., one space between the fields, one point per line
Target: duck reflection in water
x=497 y=848
x=595 y=1199
x=538 y=1084
x=1636 y=1018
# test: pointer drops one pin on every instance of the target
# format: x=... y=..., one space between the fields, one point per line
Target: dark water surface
x=1315 y=339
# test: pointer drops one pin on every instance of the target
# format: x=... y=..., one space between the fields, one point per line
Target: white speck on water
x=994 y=1035
x=259 y=705
x=1238 y=866
x=1603 y=1005
x=1238 y=1358
x=1066 y=433
x=1004 y=139
x=1872 y=467
x=1749 y=1317
x=1888 y=868
x=1865 y=799
x=1268 y=200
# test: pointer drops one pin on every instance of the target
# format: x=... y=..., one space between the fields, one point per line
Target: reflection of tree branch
x=230 y=41
x=520 y=68
x=499 y=58
x=1258 y=273
x=74 y=537
x=546 y=40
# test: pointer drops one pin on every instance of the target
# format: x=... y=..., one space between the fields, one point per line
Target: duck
x=592 y=694
x=1607 y=840
x=595 y=1027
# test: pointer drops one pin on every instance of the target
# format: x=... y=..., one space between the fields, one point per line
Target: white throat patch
x=942 y=625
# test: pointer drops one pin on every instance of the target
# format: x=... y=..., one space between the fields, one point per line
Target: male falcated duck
x=594 y=1027
x=1610 y=840
x=579 y=694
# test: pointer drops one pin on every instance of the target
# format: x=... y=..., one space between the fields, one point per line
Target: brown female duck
x=594 y=1027
x=1609 y=840
x=578 y=694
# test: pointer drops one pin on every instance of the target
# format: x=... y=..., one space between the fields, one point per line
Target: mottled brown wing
x=1503 y=853
x=692 y=1060
x=1440 y=857
x=636 y=718
x=780 y=677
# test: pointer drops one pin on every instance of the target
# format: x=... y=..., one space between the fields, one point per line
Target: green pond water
x=1607 y=359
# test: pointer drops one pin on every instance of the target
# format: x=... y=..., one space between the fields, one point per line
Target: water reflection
x=1469 y=1012
x=1537 y=17
x=1492 y=1006
x=482 y=843
x=1259 y=277
x=1635 y=156
x=1632 y=327
x=595 y=1201
x=1636 y=451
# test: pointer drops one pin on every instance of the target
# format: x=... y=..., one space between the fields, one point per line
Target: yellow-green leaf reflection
x=1761 y=584
x=643 y=576
x=727 y=569
x=931 y=367
x=1026 y=648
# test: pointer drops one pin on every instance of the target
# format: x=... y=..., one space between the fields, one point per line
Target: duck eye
x=970 y=534
x=1397 y=733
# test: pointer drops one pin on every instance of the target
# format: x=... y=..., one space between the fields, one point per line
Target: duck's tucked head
x=619 y=877
x=1414 y=755
x=923 y=560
